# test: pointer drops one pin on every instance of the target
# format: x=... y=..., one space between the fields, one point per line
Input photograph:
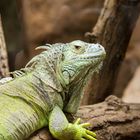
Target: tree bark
x=111 y=120
x=4 y=69
x=113 y=30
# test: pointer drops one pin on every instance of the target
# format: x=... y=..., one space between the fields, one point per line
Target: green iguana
x=52 y=82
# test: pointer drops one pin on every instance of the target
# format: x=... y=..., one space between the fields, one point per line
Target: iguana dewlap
x=52 y=82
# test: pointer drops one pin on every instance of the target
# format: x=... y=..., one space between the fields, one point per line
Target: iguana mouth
x=92 y=56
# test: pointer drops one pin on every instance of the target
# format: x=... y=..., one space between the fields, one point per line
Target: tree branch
x=113 y=30
x=111 y=120
x=4 y=69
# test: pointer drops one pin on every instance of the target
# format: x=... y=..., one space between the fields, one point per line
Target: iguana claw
x=82 y=132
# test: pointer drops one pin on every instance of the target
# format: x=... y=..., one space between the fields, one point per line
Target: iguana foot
x=82 y=132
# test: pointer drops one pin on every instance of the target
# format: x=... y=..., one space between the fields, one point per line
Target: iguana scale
x=50 y=84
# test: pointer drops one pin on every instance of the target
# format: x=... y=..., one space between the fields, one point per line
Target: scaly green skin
x=51 y=83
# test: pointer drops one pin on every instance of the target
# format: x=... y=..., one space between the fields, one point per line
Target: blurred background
x=30 y=23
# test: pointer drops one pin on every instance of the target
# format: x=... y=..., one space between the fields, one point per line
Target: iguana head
x=78 y=58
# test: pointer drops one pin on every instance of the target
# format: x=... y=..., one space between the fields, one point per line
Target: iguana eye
x=77 y=47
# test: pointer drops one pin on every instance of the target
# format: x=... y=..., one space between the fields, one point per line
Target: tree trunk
x=111 y=120
x=4 y=69
x=113 y=30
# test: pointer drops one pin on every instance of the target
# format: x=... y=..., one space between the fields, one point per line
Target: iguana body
x=51 y=82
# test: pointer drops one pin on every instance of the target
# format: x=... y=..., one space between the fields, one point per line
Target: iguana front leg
x=61 y=129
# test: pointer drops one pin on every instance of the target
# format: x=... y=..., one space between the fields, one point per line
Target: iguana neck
x=76 y=91
x=48 y=77
x=46 y=71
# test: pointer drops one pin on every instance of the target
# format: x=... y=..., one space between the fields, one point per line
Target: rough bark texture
x=113 y=30
x=127 y=70
x=111 y=120
x=4 y=69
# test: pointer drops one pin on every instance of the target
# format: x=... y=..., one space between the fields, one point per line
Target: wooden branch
x=111 y=120
x=103 y=18
x=113 y=30
x=4 y=69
